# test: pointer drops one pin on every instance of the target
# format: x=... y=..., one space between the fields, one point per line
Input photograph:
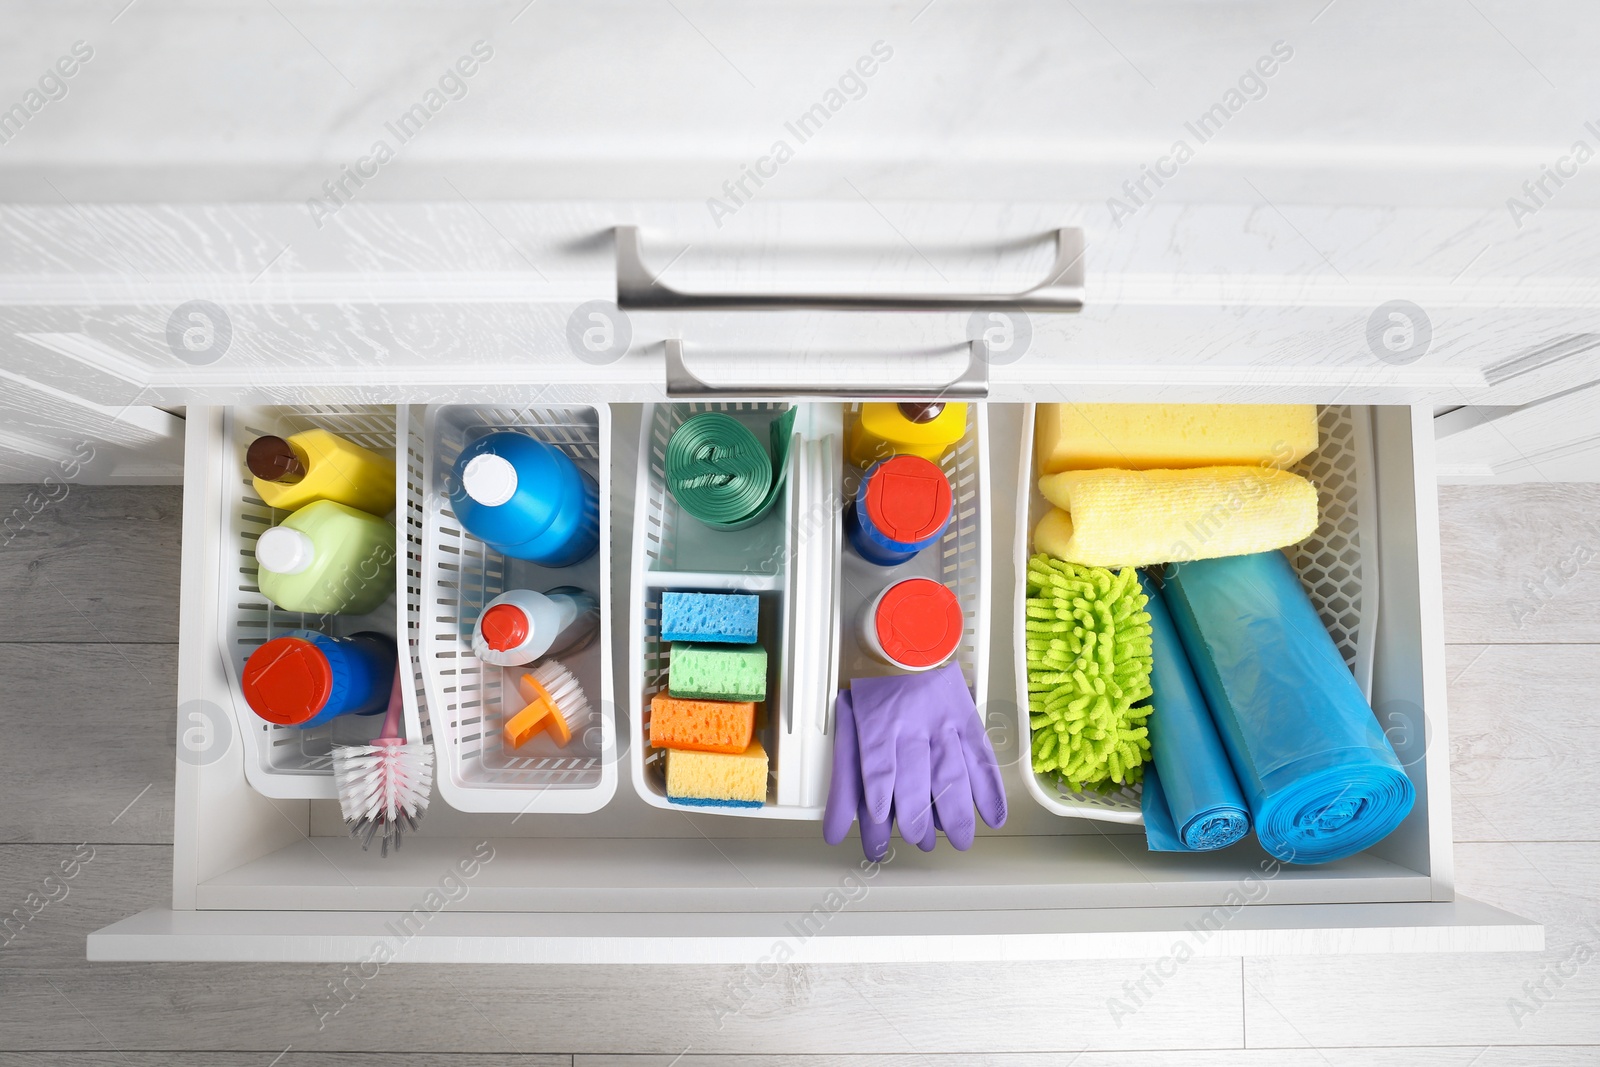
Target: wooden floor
x=86 y=696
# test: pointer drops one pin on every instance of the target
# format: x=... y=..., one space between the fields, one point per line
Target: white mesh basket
x=811 y=589
x=1337 y=565
x=468 y=701
x=287 y=762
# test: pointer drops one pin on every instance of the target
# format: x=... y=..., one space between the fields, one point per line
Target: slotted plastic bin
x=812 y=590
x=960 y=560
x=1337 y=565
x=468 y=700
x=286 y=762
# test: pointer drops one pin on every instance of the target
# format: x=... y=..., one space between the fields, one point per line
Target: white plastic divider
x=287 y=762
x=1338 y=565
x=468 y=701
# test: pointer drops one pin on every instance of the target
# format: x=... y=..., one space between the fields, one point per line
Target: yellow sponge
x=1115 y=518
x=718 y=780
x=1078 y=437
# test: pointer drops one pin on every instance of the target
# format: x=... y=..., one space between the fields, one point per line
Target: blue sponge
x=723 y=618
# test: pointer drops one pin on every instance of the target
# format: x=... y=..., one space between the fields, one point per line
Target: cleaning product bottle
x=327 y=559
x=291 y=472
x=306 y=679
x=915 y=625
x=901 y=507
x=927 y=430
x=526 y=499
x=520 y=625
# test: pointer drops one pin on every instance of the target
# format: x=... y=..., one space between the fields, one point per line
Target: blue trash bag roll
x=1192 y=801
x=1321 y=780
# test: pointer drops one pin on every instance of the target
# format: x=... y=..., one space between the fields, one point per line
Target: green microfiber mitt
x=717 y=672
x=1088 y=649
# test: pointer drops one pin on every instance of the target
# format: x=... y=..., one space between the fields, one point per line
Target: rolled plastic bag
x=1321 y=780
x=1191 y=800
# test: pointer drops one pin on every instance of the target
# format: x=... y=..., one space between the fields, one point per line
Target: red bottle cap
x=287 y=681
x=919 y=622
x=908 y=499
x=504 y=627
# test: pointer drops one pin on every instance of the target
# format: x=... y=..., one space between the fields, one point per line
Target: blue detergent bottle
x=304 y=678
x=526 y=499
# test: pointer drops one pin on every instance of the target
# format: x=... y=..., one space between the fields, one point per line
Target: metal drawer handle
x=1062 y=289
x=971 y=384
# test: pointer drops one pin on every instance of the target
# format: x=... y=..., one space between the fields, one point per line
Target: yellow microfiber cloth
x=1082 y=437
x=1116 y=518
x=718 y=780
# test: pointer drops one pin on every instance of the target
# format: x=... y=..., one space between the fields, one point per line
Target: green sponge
x=717 y=672
x=1088 y=652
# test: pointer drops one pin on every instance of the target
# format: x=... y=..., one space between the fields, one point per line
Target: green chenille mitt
x=1088 y=648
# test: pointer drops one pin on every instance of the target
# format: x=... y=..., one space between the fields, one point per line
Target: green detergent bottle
x=327 y=559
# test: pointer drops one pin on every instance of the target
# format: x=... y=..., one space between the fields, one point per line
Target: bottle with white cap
x=521 y=626
x=327 y=559
x=527 y=499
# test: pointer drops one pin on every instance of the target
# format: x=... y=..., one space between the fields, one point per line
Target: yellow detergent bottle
x=312 y=465
x=924 y=429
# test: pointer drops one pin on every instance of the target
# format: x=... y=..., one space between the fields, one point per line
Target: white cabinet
x=411 y=304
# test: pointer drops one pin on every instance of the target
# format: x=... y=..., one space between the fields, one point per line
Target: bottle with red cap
x=520 y=625
x=915 y=625
x=901 y=507
x=305 y=678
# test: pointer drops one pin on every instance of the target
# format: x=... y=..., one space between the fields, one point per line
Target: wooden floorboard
x=1466 y=1056
x=1521 y=563
x=88 y=742
x=1462 y=1056
x=282 y=1058
x=99 y=565
x=1524 y=742
x=822 y=1010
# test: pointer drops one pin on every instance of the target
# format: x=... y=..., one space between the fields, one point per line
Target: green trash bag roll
x=721 y=474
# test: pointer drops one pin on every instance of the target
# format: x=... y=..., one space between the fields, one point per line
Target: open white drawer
x=261 y=879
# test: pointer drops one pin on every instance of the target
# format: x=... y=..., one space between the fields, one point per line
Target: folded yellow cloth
x=1112 y=518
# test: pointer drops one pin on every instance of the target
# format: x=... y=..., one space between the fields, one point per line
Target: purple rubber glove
x=920 y=737
x=845 y=804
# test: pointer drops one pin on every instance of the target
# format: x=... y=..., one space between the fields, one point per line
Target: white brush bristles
x=383 y=787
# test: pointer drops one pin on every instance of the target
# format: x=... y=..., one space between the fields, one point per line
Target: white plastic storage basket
x=960 y=560
x=812 y=590
x=1337 y=565
x=468 y=701
x=287 y=762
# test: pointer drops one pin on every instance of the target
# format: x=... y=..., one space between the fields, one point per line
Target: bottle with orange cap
x=521 y=626
x=304 y=678
x=915 y=625
x=902 y=506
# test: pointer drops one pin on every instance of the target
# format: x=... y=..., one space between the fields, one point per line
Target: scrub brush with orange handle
x=555 y=701
x=384 y=786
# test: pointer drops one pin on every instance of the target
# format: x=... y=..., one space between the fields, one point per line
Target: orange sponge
x=701 y=725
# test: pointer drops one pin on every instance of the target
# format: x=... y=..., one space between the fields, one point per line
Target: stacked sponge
x=706 y=718
x=712 y=618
